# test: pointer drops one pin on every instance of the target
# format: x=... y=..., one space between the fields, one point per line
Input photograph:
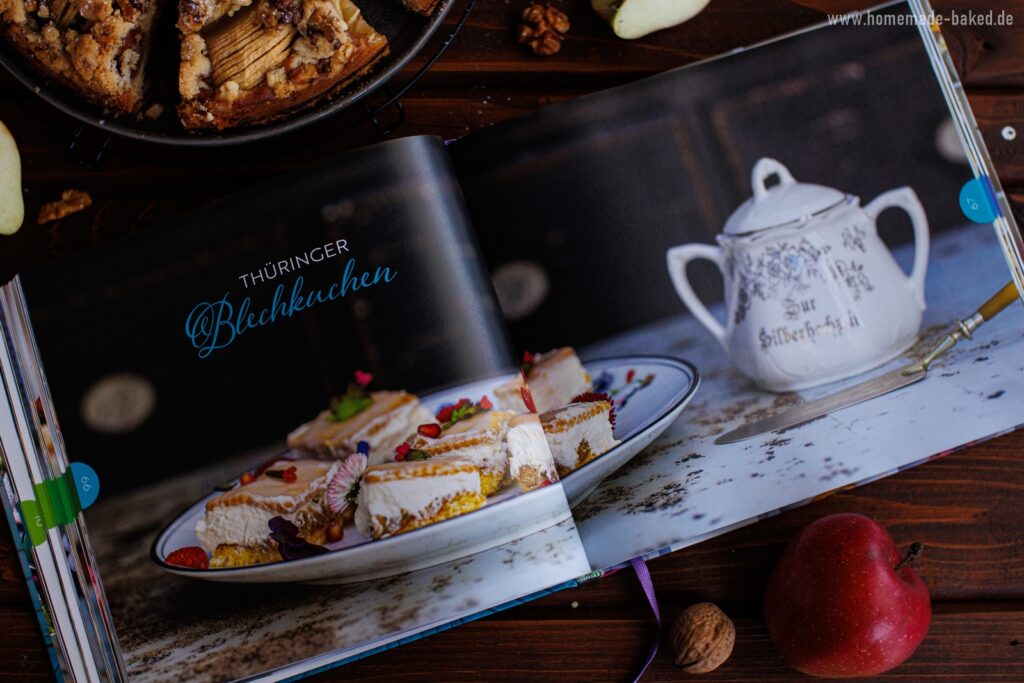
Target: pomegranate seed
x=485 y=403
x=401 y=451
x=290 y=475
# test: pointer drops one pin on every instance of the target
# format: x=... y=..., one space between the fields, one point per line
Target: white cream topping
x=240 y=525
x=397 y=424
x=247 y=524
x=527 y=447
x=596 y=431
x=419 y=497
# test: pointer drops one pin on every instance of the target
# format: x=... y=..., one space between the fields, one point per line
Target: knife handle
x=1003 y=298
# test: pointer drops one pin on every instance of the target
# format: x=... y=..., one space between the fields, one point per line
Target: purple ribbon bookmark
x=644 y=576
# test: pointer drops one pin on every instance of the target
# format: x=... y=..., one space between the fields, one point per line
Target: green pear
x=636 y=18
x=12 y=206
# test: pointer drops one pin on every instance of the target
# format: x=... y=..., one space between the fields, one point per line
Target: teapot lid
x=786 y=202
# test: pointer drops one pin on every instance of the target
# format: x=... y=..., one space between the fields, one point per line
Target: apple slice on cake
x=247 y=63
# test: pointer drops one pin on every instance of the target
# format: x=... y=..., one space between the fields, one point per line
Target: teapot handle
x=678 y=258
x=905 y=198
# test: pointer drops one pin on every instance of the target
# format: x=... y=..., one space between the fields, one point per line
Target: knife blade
x=891 y=381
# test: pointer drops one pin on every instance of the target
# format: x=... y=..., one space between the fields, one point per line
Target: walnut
x=543 y=28
x=702 y=637
x=70 y=201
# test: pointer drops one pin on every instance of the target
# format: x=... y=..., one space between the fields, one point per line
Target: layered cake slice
x=96 y=47
x=580 y=431
x=554 y=378
x=382 y=419
x=397 y=497
x=473 y=431
x=245 y=62
x=235 y=527
x=531 y=464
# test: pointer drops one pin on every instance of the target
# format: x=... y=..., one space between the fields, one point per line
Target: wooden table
x=968 y=504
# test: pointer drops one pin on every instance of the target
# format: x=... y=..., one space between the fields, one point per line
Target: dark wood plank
x=22 y=654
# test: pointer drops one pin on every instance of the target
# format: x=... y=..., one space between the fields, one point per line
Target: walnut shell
x=702 y=637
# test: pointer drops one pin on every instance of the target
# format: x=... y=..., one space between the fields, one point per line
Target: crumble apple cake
x=245 y=63
x=96 y=47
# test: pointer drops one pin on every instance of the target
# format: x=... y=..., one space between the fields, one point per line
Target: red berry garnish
x=247 y=478
x=190 y=557
x=363 y=378
x=430 y=430
x=401 y=451
x=630 y=375
x=524 y=391
x=528 y=357
x=485 y=403
x=290 y=475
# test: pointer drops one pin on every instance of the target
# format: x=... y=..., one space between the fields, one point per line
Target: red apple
x=843 y=602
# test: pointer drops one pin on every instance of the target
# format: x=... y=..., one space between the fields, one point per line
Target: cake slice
x=245 y=62
x=478 y=438
x=396 y=497
x=96 y=47
x=554 y=378
x=531 y=464
x=580 y=431
x=235 y=527
x=382 y=419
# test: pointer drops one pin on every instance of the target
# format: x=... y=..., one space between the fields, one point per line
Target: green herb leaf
x=417 y=455
x=276 y=474
x=350 y=405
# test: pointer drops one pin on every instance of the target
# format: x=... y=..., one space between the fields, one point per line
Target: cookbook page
x=292 y=400
x=793 y=220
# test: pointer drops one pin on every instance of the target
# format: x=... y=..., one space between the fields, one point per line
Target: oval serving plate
x=649 y=392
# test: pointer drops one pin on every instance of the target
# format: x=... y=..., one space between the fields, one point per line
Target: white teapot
x=812 y=294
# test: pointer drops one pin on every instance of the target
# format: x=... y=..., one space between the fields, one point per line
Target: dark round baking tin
x=407 y=34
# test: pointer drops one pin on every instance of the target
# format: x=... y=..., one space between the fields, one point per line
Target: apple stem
x=915 y=552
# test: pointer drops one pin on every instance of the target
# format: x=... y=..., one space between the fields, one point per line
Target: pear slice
x=12 y=206
x=636 y=18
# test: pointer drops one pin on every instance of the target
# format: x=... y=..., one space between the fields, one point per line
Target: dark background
x=594 y=191
x=123 y=309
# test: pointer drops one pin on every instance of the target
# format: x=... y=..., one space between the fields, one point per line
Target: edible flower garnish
x=407 y=452
x=289 y=475
x=594 y=397
x=527 y=364
x=344 y=485
x=286 y=535
x=462 y=410
x=355 y=400
x=524 y=391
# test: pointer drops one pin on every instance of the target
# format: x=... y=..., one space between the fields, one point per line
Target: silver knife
x=891 y=381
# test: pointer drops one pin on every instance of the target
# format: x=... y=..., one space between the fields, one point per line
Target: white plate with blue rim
x=649 y=392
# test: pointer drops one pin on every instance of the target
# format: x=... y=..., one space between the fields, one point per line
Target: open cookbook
x=423 y=381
